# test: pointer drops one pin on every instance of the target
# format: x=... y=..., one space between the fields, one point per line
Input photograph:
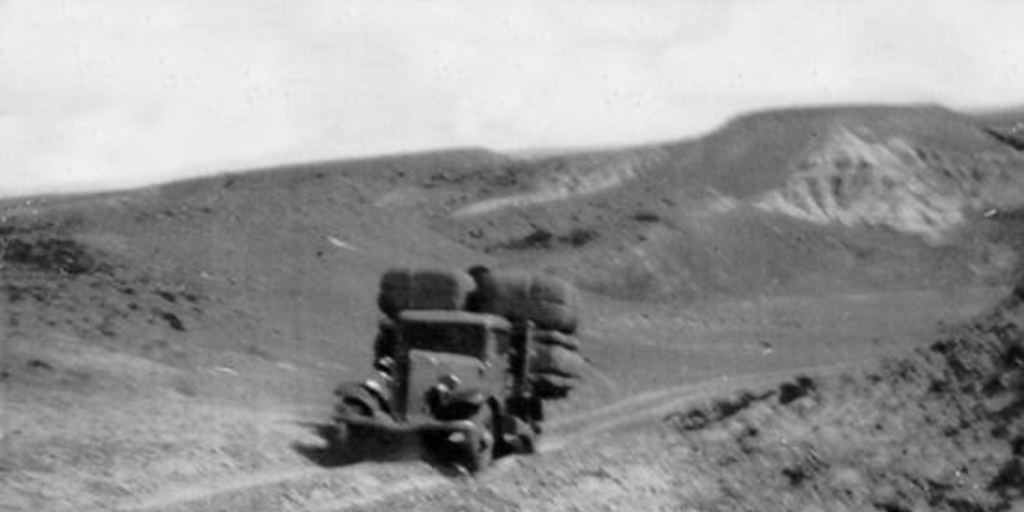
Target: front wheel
x=481 y=442
x=527 y=441
x=521 y=440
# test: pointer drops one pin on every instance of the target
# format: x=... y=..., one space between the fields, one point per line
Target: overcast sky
x=112 y=93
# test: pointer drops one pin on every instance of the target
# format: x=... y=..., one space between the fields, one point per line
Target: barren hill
x=219 y=306
x=846 y=199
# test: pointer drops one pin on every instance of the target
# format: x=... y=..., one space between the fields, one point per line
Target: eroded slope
x=801 y=201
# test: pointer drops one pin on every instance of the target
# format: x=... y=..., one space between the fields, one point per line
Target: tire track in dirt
x=301 y=489
x=327 y=490
x=641 y=408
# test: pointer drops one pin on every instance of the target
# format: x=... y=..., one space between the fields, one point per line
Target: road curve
x=336 y=489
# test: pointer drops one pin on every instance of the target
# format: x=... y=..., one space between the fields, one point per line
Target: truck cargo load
x=403 y=289
x=465 y=360
x=550 y=302
x=556 y=365
x=558 y=338
x=556 y=360
x=550 y=386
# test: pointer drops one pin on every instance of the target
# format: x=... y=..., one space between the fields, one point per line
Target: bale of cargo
x=556 y=360
x=551 y=303
x=558 y=338
x=403 y=289
x=552 y=387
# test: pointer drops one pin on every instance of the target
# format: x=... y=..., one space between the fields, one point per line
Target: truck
x=449 y=368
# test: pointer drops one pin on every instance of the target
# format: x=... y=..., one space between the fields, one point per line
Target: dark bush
x=1010 y=479
x=646 y=216
x=795 y=475
x=578 y=237
x=173 y=321
x=1008 y=137
x=58 y=255
x=790 y=391
x=540 y=238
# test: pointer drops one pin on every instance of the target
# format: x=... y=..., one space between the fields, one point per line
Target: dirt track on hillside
x=366 y=483
x=96 y=429
x=938 y=429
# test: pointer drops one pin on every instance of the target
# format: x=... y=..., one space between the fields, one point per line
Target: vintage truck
x=448 y=369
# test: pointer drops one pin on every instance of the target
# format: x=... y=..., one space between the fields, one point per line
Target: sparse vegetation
x=578 y=237
x=58 y=255
x=886 y=437
x=541 y=238
x=1012 y=138
x=799 y=388
x=646 y=216
x=172 y=320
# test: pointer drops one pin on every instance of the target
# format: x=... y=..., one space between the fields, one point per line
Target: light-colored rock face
x=854 y=180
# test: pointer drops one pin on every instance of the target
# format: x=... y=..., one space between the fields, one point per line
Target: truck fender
x=469 y=397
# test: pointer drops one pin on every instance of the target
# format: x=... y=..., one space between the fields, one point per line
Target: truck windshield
x=467 y=340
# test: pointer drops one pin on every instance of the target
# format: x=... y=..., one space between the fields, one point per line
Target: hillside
x=938 y=429
x=846 y=199
x=159 y=337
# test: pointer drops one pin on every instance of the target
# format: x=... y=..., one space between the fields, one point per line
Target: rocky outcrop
x=857 y=179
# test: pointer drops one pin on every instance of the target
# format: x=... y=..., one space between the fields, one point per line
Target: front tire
x=527 y=442
x=481 y=443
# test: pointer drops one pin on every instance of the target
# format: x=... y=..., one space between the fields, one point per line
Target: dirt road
x=937 y=429
x=95 y=429
x=368 y=483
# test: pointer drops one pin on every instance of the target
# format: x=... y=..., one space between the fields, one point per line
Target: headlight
x=450 y=382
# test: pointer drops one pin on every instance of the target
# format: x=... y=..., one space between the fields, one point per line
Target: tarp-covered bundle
x=560 y=339
x=557 y=360
x=555 y=364
x=551 y=303
x=403 y=289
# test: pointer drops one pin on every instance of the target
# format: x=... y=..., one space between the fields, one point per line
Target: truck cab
x=448 y=364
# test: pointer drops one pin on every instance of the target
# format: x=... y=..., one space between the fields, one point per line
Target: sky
x=104 y=94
